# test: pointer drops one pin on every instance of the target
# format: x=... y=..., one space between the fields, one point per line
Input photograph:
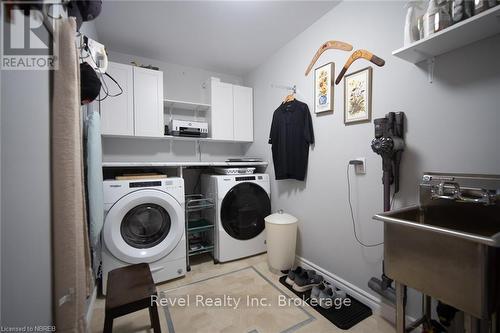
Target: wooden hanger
x=289 y=98
x=357 y=55
x=331 y=44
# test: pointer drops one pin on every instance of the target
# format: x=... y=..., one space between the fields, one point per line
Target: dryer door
x=243 y=210
x=143 y=226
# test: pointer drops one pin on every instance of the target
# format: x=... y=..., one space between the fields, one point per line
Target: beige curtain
x=71 y=255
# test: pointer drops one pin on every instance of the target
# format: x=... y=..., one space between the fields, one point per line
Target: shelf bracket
x=431 y=62
x=198 y=148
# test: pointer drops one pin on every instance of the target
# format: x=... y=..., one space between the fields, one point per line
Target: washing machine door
x=243 y=210
x=143 y=226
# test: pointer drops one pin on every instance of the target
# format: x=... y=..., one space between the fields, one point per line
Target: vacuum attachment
x=384 y=290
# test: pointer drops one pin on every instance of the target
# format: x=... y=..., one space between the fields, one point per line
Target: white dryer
x=144 y=222
x=242 y=203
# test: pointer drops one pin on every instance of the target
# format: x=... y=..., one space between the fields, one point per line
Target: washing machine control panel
x=244 y=178
x=144 y=184
x=247 y=178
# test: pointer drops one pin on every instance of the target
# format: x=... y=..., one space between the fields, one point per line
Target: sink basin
x=480 y=224
x=449 y=251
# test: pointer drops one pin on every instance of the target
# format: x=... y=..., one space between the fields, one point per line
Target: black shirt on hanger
x=291 y=134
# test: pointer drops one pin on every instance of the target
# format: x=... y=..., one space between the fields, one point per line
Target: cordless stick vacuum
x=389 y=144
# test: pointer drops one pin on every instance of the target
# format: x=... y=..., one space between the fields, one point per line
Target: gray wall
x=179 y=83
x=26 y=271
x=452 y=127
x=25 y=199
x=89 y=29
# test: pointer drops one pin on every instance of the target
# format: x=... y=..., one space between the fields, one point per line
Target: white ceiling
x=231 y=37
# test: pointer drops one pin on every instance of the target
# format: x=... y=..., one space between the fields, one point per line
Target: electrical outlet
x=360 y=169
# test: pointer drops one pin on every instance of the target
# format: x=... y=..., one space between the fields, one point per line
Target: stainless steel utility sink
x=448 y=246
x=477 y=224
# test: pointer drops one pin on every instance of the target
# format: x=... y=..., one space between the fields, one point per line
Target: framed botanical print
x=323 y=88
x=358 y=96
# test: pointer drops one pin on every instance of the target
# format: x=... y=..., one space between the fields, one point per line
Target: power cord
x=104 y=85
x=352 y=213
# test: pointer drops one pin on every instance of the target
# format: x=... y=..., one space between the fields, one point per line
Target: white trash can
x=281 y=231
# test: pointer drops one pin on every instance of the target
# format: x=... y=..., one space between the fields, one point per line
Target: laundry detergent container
x=281 y=229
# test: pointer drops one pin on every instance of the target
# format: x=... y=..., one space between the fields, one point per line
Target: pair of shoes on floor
x=325 y=295
x=303 y=280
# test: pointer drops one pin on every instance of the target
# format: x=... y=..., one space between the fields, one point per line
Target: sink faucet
x=452 y=191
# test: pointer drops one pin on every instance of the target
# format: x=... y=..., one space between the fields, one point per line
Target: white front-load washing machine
x=242 y=203
x=144 y=223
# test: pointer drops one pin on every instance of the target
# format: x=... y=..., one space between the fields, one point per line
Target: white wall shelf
x=483 y=25
x=187 y=138
x=183 y=105
x=174 y=138
x=179 y=164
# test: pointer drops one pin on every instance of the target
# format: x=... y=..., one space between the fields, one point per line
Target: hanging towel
x=71 y=255
x=94 y=185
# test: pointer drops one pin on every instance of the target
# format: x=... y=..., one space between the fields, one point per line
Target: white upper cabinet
x=139 y=109
x=117 y=113
x=222 y=110
x=148 y=102
x=243 y=113
x=232 y=112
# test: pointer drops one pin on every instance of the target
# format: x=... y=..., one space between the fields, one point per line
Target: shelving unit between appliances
x=200 y=226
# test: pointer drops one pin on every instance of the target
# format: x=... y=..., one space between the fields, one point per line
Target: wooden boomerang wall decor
x=331 y=44
x=357 y=55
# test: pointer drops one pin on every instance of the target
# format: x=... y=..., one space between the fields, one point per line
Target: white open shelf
x=483 y=25
x=182 y=164
x=188 y=138
x=172 y=138
x=183 y=105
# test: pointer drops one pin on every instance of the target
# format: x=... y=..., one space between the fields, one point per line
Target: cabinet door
x=222 y=110
x=243 y=113
x=148 y=102
x=117 y=113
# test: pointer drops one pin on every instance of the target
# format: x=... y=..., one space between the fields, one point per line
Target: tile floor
x=203 y=268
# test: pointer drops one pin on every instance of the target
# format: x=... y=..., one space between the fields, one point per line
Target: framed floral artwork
x=323 y=88
x=358 y=96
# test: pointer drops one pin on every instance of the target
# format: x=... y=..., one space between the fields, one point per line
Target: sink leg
x=400 y=308
x=471 y=324
x=425 y=320
x=427 y=311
